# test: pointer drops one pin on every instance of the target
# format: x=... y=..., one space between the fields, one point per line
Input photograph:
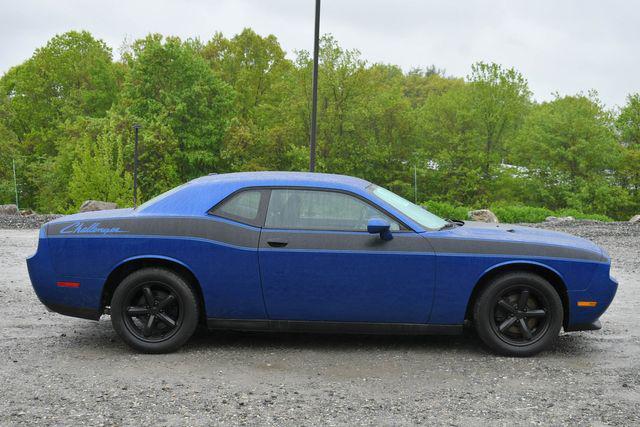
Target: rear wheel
x=154 y=310
x=518 y=314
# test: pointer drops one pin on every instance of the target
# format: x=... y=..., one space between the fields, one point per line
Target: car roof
x=312 y=179
x=197 y=196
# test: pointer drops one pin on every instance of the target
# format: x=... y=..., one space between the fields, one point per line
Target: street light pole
x=415 y=184
x=15 y=183
x=136 y=128
x=314 y=95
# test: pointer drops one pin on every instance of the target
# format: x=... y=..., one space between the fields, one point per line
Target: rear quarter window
x=244 y=207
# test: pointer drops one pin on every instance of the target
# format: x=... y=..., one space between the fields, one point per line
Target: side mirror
x=380 y=226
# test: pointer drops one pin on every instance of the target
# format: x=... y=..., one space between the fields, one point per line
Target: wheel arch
x=548 y=273
x=129 y=265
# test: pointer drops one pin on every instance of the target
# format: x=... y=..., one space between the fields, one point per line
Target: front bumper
x=602 y=290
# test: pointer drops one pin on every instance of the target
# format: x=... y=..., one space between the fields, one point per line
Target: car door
x=230 y=273
x=318 y=262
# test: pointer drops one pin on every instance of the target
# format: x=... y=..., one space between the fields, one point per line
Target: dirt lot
x=60 y=370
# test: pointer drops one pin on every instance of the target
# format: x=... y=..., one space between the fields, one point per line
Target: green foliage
x=515 y=213
x=99 y=173
x=447 y=210
x=239 y=103
x=171 y=90
x=510 y=214
x=8 y=150
x=628 y=122
x=71 y=77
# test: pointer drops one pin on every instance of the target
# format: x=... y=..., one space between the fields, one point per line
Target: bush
x=447 y=210
x=510 y=213
x=513 y=214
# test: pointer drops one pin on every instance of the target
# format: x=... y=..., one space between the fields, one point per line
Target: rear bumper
x=82 y=302
x=81 y=312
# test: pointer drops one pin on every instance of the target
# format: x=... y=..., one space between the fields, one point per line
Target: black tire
x=518 y=314
x=154 y=310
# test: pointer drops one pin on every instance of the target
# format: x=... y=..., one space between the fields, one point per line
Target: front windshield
x=413 y=211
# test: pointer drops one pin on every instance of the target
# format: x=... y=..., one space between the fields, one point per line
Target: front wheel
x=154 y=310
x=518 y=314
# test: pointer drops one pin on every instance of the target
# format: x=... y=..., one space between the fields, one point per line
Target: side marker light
x=68 y=284
x=587 y=303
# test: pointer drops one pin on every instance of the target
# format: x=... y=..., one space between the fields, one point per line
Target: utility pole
x=415 y=184
x=15 y=182
x=136 y=127
x=314 y=95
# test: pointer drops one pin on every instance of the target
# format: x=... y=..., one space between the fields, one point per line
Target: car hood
x=525 y=240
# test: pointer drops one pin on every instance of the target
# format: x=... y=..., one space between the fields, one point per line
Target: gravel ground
x=56 y=370
x=25 y=221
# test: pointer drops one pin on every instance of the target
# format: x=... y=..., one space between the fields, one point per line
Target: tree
x=260 y=74
x=628 y=122
x=450 y=153
x=99 y=173
x=500 y=98
x=8 y=153
x=419 y=85
x=628 y=125
x=569 y=148
x=71 y=76
x=173 y=92
x=235 y=104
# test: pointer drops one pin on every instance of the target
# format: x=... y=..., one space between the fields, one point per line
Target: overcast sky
x=559 y=46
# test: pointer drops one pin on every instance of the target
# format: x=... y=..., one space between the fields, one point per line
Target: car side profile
x=288 y=251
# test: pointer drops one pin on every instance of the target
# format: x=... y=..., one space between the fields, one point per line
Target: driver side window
x=320 y=210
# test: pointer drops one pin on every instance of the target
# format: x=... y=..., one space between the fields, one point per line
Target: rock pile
x=482 y=215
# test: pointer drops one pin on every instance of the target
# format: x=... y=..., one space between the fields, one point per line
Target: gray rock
x=482 y=215
x=635 y=219
x=96 y=205
x=9 y=210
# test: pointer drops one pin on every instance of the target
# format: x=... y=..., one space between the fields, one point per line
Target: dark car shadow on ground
x=331 y=341
x=468 y=342
x=104 y=337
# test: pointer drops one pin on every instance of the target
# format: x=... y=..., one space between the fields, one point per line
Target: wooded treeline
x=236 y=104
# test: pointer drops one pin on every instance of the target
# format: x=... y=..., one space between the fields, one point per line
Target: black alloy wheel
x=154 y=310
x=518 y=314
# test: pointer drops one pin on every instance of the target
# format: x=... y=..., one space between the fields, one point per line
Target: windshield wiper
x=452 y=223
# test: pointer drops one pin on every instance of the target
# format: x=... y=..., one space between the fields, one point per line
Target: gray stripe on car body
x=496 y=247
x=203 y=228
x=209 y=228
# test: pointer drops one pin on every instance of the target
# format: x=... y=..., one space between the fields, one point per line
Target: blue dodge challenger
x=287 y=251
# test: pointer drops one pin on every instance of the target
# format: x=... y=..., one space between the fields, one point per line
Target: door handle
x=277 y=243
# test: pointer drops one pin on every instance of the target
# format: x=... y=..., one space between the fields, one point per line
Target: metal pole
x=415 y=184
x=15 y=182
x=135 y=168
x=314 y=100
